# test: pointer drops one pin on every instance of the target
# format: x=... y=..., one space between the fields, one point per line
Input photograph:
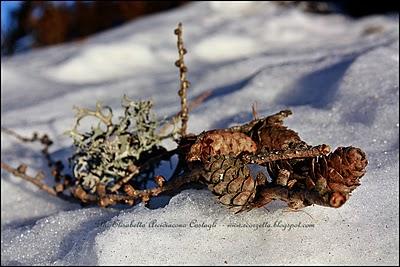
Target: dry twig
x=266 y=157
x=184 y=83
x=38 y=180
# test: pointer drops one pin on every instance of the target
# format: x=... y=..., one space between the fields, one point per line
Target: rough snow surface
x=339 y=76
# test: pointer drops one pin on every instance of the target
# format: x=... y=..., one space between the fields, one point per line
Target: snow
x=340 y=79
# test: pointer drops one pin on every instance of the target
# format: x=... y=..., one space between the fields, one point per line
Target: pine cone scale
x=234 y=186
x=242 y=198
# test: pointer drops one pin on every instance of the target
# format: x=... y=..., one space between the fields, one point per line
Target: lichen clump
x=107 y=154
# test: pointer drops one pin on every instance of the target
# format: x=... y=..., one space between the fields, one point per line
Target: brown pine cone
x=279 y=138
x=334 y=176
x=270 y=134
x=342 y=172
x=217 y=142
x=347 y=165
x=230 y=180
x=276 y=137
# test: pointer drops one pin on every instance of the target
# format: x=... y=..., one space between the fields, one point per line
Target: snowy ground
x=339 y=76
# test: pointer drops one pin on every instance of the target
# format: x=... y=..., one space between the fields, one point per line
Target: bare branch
x=20 y=172
x=184 y=83
x=56 y=166
x=295 y=199
x=132 y=195
x=265 y=157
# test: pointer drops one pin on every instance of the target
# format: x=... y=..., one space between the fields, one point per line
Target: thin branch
x=184 y=83
x=20 y=172
x=254 y=111
x=124 y=180
x=141 y=195
x=265 y=157
x=295 y=199
x=276 y=118
x=45 y=140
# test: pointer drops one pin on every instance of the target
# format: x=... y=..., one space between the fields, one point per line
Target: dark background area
x=43 y=23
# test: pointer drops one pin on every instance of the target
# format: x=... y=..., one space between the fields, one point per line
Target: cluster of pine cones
x=326 y=179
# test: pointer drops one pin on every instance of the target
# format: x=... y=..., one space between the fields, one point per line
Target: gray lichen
x=104 y=155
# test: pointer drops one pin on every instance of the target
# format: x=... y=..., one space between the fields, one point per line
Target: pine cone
x=333 y=177
x=230 y=180
x=216 y=142
x=279 y=138
x=342 y=172
x=347 y=166
x=270 y=134
x=336 y=175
